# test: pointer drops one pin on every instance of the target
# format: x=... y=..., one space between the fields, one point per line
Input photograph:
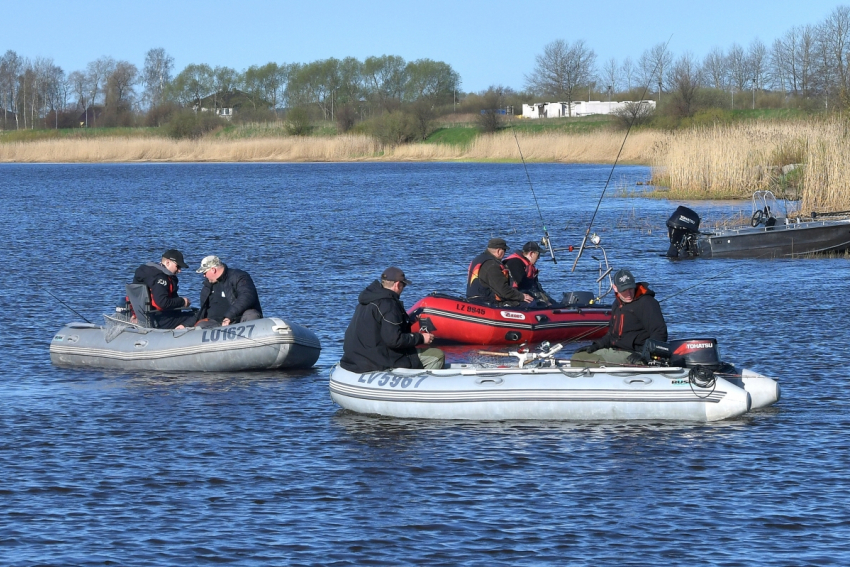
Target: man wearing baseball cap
x=635 y=318
x=487 y=280
x=379 y=336
x=228 y=296
x=161 y=281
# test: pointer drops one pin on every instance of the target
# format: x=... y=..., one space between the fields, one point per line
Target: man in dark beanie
x=635 y=318
x=379 y=337
x=488 y=282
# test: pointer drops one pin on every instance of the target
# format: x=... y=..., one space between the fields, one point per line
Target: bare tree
x=686 y=76
x=715 y=72
x=156 y=75
x=386 y=77
x=561 y=69
x=835 y=45
x=654 y=67
x=627 y=71
x=10 y=69
x=96 y=73
x=119 y=83
x=739 y=74
x=757 y=63
x=610 y=76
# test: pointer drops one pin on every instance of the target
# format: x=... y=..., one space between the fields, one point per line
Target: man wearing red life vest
x=488 y=282
x=523 y=272
x=635 y=318
x=161 y=281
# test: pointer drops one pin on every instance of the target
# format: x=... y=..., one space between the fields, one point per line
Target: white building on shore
x=579 y=108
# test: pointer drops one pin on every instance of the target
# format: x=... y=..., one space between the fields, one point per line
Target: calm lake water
x=112 y=468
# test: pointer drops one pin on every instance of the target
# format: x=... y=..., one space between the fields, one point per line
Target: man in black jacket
x=523 y=271
x=379 y=337
x=636 y=317
x=161 y=281
x=487 y=280
x=228 y=295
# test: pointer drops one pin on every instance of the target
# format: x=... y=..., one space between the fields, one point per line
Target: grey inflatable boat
x=256 y=345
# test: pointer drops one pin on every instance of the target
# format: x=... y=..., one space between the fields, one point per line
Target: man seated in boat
x=523 y=273
x=635 y=318
x=379 y=337
x=228 y=296
x=488 y=281
x=161 y=281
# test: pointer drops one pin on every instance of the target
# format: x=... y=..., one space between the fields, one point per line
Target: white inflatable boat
x=555 y=390
x=261 y=344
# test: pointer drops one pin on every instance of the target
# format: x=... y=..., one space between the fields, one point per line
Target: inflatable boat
x=553 y=389
x=261 y=344
x=453 y=319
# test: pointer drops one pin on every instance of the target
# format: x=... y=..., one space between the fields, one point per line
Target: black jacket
x=488 y=283
x=379 y=337
x=162 y=285
x=633 y=323
x=229 y=297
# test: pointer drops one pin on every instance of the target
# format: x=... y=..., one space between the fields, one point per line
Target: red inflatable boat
x=453 y=319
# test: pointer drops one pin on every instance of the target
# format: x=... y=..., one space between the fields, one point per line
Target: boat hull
x=454 y=320
x=796 y=239
x=261 y=344
x=561 y=393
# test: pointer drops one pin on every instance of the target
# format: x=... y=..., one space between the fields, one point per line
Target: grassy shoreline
x=718 y=161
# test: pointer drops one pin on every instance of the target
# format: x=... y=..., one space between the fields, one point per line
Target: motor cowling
x=687 y=353
x=682 y=229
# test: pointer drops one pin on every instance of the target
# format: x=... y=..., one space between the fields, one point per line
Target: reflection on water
x=261 y=468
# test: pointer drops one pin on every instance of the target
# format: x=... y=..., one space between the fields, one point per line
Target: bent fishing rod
x=65 y=304
x=546 y=240
x=611 y=173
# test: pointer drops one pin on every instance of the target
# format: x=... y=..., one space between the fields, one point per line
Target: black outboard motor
x=686 y=353
x=682 y=229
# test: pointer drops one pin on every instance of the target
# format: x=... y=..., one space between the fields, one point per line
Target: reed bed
x=599 y=147
x=732 y=161
x=715 y=162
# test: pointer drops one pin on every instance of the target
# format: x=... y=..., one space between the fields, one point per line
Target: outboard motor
x=687 y=353
x=682 y=229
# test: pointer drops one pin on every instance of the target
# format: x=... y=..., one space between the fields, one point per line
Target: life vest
x=170 y=292
x=531 y=270
x=474 y=288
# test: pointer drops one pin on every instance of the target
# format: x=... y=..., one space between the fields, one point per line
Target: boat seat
x=140 y=299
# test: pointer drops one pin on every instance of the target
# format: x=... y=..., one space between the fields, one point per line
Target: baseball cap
x=393 y=274
x=624 y=280
x=176 y=256
x=208 y=263
x=497 y=243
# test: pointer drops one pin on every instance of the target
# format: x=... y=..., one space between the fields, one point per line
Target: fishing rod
x=546 y=240
x=65 y=304
x=611 y=173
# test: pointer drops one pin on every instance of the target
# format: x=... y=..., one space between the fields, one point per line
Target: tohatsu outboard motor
x=682 y=229
x=686 y=353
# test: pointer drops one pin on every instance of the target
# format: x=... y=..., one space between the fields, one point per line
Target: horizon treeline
x=807 y=67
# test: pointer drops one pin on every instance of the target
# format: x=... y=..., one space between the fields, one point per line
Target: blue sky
x=488 y=43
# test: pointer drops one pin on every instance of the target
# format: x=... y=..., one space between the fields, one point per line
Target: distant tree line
x=36 y=93
x=807 y=67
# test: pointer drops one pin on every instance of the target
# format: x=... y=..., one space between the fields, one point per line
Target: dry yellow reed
x=703 y=163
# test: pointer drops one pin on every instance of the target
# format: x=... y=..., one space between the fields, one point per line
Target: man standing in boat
x=379 y=337
x=228 y=296
x=161 y=281
x=523 y=272
x=635 y=318
x=488 y=282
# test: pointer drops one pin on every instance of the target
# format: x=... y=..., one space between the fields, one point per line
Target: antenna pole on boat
x=546 y=240
x=611 y=173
